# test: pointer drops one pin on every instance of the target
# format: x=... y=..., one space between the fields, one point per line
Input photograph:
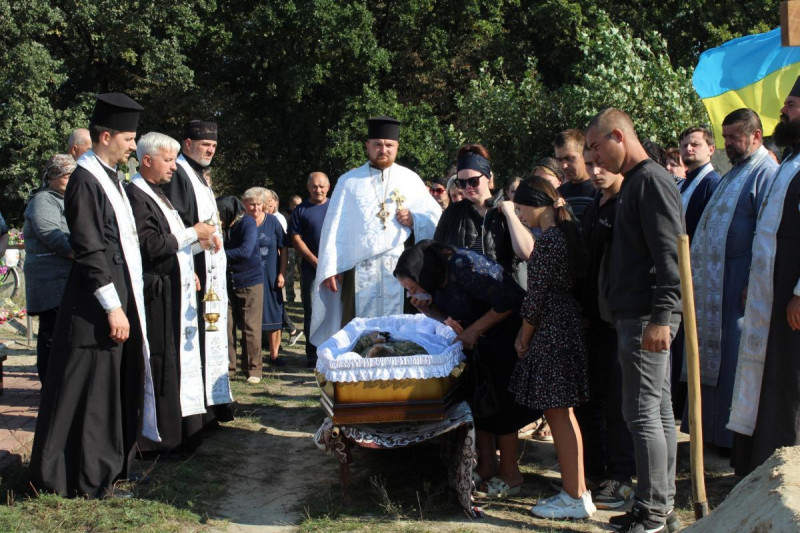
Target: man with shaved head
x=644 y=298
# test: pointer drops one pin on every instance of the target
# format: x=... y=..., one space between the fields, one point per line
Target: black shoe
x=277 y=362
x=636 y=521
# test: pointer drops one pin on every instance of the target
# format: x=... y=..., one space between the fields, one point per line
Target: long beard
x=786 y=133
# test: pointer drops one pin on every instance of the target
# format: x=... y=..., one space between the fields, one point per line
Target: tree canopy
x=290 y=83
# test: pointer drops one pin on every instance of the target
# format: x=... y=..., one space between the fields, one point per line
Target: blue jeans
x=647 y=408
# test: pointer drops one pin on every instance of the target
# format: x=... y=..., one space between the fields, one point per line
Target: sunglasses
x=472 y=182
x=437 y=191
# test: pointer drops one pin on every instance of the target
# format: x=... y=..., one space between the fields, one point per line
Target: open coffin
x=390 y=389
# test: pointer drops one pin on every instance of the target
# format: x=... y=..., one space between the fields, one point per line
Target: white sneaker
x=565 y=506
x=254 y=380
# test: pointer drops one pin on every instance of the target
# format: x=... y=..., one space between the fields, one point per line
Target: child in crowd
x=552 y=372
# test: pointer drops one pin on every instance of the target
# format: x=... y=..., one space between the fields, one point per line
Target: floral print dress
x=554 y=371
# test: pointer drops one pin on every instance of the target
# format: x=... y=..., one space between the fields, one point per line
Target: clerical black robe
x=778 y=421
x=162 y=297
x=88 y=413
x=181 y=194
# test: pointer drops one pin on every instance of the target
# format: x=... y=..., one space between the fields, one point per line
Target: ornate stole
x=686 y=194
x=758 y=310
x=708 y=264
x=191 y=385
x=216 y=342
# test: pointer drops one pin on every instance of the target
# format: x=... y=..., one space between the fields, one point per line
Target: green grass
x=49 y=513
x=175 y=499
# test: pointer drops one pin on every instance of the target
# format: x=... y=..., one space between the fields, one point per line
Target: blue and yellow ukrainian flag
x=753 y=71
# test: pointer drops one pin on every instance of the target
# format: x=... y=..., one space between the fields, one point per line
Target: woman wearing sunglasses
x=492 y=231
x=497 y=234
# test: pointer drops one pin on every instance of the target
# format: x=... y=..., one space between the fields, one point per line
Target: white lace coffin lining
x=338 y=363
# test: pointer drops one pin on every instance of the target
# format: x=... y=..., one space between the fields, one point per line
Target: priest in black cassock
x=99 y=379
x=192 y=196
x=170 y=285
x=765 y=413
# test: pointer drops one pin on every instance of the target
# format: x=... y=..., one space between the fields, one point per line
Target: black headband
x=529 y=195
x=472 y=161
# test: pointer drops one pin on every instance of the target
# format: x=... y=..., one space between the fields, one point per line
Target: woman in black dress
x=475 y=297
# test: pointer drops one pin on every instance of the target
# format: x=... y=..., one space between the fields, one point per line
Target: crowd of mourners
x=562 y=286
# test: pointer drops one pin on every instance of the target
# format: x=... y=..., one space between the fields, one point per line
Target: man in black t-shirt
x=304 y=231
x=577 y=189
x=607 y=445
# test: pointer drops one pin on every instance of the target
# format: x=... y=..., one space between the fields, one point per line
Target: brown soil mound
x=767 y=500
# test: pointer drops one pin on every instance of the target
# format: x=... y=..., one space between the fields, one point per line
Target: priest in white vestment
x=373 y=210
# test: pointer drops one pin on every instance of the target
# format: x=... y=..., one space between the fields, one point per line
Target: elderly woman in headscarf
x=475 y=297
x=245 y=285
x=492 y=231
x=48 y=252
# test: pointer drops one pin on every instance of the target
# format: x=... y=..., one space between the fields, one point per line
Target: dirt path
x=267 y=491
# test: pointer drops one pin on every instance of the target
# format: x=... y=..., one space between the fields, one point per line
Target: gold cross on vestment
x=383 y=214
x=398 y=199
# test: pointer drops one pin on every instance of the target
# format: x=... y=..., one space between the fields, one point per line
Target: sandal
x=543 y=433
x=497 y=489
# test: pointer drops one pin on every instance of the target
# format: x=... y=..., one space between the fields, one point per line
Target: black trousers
x=44 y=338
x=607 y=443
x=306 y=281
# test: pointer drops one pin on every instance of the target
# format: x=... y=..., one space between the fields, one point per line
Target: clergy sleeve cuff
x=186 y=237
x=797 y=289
x=108 y=297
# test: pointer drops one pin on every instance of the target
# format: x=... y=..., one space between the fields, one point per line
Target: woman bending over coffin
x=481 y=302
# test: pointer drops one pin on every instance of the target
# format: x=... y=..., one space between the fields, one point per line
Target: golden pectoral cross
x=383 y=214
x=398 y=199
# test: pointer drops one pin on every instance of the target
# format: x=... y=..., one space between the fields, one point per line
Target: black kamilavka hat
x=383 y=128
x=116 y=111
x=199 y=130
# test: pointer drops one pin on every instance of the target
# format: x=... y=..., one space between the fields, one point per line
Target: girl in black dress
x=552 y=371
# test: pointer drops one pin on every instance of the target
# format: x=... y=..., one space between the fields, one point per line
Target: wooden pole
x=692 y=355
x=790 y=23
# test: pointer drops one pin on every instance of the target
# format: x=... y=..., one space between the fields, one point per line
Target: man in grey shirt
x=644 y=297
